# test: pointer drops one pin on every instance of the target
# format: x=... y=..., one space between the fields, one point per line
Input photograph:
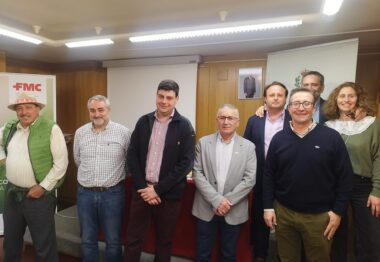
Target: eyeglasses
x=305 y=104
x=229 y=118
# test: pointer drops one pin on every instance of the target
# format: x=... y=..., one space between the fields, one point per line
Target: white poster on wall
x=43 y=88
x=132 y=90
x=336 y=61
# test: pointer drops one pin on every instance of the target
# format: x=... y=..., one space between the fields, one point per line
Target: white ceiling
x=69 y=20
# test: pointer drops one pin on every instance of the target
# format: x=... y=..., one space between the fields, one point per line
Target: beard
x=98 y=121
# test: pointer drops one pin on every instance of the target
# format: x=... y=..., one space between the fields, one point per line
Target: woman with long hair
x=362 y=139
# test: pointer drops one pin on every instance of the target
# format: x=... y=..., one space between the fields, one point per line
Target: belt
x=101 y=188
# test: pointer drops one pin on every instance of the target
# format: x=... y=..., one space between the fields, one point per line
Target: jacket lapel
x=212 y=153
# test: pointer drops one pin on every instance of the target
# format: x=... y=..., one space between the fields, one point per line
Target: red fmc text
x=27 y=87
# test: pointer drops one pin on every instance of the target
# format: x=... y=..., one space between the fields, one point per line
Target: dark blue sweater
x=312 y=174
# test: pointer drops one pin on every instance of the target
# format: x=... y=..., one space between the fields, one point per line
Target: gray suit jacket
x=239 y=182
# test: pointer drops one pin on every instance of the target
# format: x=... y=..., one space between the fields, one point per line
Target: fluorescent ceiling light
x=19 y=36
x=105 y=41
x=215 y=31
x=331 y=7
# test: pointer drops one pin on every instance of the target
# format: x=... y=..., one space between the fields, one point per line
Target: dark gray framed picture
x=250 y=83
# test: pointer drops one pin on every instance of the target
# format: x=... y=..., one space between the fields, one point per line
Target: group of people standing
x=315 y=158
x=304 y=172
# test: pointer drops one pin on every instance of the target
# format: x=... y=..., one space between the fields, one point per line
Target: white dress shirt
x=223 y=159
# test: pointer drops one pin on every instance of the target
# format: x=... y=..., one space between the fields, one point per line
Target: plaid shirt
x=101 y=157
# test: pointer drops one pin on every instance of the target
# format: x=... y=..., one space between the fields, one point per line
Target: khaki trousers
x=295 y=229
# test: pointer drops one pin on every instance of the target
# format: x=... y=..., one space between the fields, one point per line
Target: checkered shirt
x=101 y=157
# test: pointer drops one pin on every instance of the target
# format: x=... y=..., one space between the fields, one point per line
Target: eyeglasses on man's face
x=229 y=118
x=305 y=104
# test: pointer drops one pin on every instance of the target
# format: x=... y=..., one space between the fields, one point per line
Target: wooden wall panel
x=2 y=62
x=28 y=67
x=368 y=75
x=75 y=88
x=202 y=115
x=219 y=82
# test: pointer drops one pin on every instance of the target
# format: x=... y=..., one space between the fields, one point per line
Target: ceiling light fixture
x=96 y=42
x=331 y=7
x=215 y=31
x=19 y=36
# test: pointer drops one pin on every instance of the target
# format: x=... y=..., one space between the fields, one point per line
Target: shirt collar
x=220 y=138
x=170 y=117
x=307 y=131
x=281 y=116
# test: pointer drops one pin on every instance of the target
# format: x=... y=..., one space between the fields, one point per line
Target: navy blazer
x=322 y=118
x=254 y=132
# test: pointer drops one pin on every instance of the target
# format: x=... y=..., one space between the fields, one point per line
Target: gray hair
x=99 y=98
x=229 y=106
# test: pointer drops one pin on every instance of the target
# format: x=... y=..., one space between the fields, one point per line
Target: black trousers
x=164 y=216
x=366 y=227
x=259 y=230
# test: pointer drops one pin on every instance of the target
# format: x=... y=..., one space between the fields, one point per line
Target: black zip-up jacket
x=177 y=159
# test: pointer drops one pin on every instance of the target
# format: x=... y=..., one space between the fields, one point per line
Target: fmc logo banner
x=41 y=87
x=32 y=85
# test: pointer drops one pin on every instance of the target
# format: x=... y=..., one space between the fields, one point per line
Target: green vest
x=38 y=146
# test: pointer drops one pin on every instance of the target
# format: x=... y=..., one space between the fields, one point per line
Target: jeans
x=207 y=232
x=101 y=210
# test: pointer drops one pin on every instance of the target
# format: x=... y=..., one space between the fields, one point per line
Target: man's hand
x=260 y=111
x=360 y=113
x=36 y=191
x=270 y=218
x=155 y=202
x=223 y=208
x=333 y=225
x=148 y=193
x=373 y=202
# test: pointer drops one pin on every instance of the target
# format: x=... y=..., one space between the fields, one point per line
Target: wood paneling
x=2 y=62
x=73 y=91
x=28 y=67
x=218 y=85
x=368 y=75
